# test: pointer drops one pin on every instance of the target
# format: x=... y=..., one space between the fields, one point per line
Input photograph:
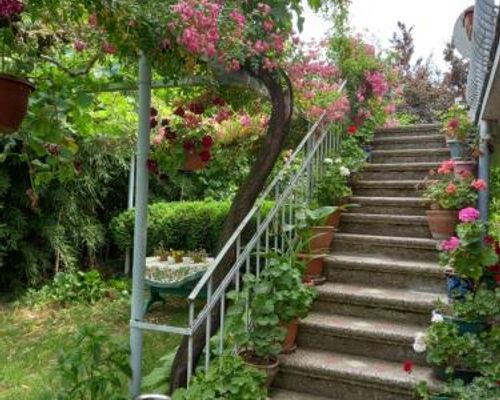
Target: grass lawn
x=32 y=337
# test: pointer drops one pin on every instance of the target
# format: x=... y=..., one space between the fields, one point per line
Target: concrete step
x=385 y=225
x=402 y=305
x=397 y=171
x=339 y=376
x=281 y=394
x=412 y=130
x=390 y=205
x=410 y=155
x=386 y=340
x=409 y=142
x=366 y=269
x=387 y=188
x=404 y=248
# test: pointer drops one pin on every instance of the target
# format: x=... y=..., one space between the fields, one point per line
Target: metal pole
x=484 y=167
x=130 y=204
x=140 y=231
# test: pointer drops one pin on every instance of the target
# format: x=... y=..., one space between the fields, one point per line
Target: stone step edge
x=391 y=300
x=409 y=166
x=383 y=265
x=390 y=333
x=408 y=139
x=355 y=217
x=390 y=201
x=405 y=183
x=410 y=128
x=406 y=242
x=282 y=394
x=410 y=152
x=359 y=376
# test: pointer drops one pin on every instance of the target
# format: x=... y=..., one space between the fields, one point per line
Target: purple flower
x=450 y=244
x=468 y=214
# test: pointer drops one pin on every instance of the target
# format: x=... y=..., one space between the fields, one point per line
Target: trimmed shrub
x=177 y=225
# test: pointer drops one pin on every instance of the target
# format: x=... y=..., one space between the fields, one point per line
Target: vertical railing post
x=140 y=230
x=130 y=205
x=484 y=168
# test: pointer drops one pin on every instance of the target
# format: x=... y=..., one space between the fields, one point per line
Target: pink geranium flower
x=468 y=214
x=450 y=244
x=479 y=185
x=446 y=167
x=451 y=188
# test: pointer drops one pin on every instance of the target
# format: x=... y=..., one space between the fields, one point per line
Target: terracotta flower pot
x=14 y=94
x=334 y=219
x=270 y=368
x=321 y=238
x=193 y=162
x=313 y=273
x=442 y=223
x=289 y=345
x=464 y=168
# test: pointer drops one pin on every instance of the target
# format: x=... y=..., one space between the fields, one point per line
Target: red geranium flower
x=205 y=155
x=218 y=102
x=352 y=129
x=179 y=111
x=196 y=108
x=207 y=142
x=153 y=112
x=152 y=166
x=408 y=366
x=189 y=146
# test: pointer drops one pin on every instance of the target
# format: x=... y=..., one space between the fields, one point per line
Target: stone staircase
x=382 y=281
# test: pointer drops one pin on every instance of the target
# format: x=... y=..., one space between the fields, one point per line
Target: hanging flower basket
x=14 y=94
x=193 y=162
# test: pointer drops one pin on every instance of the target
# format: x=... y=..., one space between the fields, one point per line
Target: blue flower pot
x=464 y=375
x=467 y=327
x=457 y=288
x=458 y=149
x=368 y=152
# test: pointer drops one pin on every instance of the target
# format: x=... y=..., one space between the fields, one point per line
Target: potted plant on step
x=448 y=194
x=458 y=130
x=466 y=256
x=332 y=189
x=254 y=325
x=14 y=90
x=315 y=239
x=293 y=298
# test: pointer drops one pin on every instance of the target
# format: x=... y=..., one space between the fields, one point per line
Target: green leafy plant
x=93 y=368
x=255 y=329
x=450 y=192
x=229 y=378
x=293 y=299
x=68 y=287
x=481 y=305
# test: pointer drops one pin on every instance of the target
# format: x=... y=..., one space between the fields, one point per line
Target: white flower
x=436 y=317
x=344 y=171
x=338 y=161
x=419 y=343
x=328 y=161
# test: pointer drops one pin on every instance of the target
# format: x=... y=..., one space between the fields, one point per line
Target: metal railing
x=483 y=36
x=261 y=231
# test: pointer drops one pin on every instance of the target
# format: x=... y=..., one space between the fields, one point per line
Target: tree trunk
x=278 y=129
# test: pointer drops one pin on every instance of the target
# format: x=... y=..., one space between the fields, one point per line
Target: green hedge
x=178 y=225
